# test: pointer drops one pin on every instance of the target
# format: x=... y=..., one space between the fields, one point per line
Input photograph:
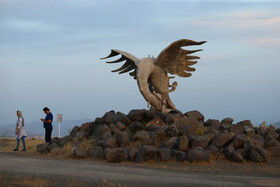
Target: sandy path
x=126 y=175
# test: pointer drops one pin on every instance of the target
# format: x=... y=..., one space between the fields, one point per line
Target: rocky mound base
x=144 y=135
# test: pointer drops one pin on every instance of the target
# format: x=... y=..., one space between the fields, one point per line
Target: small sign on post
x=59 y=119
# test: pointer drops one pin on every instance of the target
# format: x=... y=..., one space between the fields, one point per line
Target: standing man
x=48 y=124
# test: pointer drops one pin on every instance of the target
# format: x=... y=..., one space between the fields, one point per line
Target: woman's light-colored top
x=20 y=126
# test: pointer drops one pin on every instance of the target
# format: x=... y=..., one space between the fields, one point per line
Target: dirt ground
x=32 y=169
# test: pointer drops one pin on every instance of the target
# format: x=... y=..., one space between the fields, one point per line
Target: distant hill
x=35 y=128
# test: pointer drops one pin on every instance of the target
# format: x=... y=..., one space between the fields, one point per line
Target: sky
x=50 y=56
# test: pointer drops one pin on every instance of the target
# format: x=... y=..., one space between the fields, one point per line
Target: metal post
x=59 y=129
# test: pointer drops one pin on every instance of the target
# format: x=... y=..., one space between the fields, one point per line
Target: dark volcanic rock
x=258 y=137
x=132 y=154
x=228 y=151
x=120 y=125
x=237 y=157
x=227 y=121
x=102 y=131
x=42 y=148
x=164 y=154
x=225 y=127
x=247 y=123
x=250 y=131
x=270 y=140
x=122 y=139
x=141 y=136
x=213 y=124
x=87 y=127
x=95 y=152
x=52 y=146
x=257 y=140
x=113 y=118
x=55 y=140
x=222 y=140
x=262 y=130
x=64 y=140
x=182 y=143
x=271 y=128
x=137 y=115
x=152 y=127
x=144 y=135
x=237 y=129
x=80 y=152
x=257 y=154
x=148 y=141
x=135 y=126
x=158 y=136
x=203 y=140
x=258 y=143
x=80 y=135
x=154 y=124
x=179 y=155
x=124 y=119
x=99 y=121
x=115 y=155
x=172 y=118
x=198 y=154
x=212 y=149
x=114 y=128
x=171 y=142
x=74 y=131
x=274 y=151
x=107 y=142
x=195 y=115
x=239 y=140
x=172 y=131
x=108 y=115
x=244 y=153
x=187 y=126
x=146 y=153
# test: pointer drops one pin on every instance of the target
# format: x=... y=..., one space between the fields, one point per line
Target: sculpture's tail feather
x=126 y=64
x=130 y=62
x=119 y=60
x=112 y=54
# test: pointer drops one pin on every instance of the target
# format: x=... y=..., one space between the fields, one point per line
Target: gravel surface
x=97 y=173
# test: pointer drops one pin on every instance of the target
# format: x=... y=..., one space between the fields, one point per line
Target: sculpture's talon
x=174 y=85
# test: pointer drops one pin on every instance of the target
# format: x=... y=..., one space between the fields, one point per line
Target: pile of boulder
x=144 y=135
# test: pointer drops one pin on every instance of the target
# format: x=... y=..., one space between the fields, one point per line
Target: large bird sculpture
x=152 y=73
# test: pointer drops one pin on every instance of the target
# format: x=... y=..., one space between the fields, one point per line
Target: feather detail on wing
x=176 y=60
x=131 y=62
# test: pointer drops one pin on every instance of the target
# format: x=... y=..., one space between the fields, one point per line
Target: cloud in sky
x=50 y=50
x=29 y=26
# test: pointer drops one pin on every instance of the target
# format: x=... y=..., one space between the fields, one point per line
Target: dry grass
x=200 y=130
x=265 y=182
x=62 y=153
x=18 y=180
x=8 y=144
x=9 y=181
x=106 y=183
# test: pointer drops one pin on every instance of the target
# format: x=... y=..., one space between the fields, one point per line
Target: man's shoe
x=23 y=150
x=15 y=150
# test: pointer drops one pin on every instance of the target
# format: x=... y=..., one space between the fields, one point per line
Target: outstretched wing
x=176 y=60
x=130 y=64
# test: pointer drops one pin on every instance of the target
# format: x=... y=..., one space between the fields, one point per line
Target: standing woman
x=20 y=131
